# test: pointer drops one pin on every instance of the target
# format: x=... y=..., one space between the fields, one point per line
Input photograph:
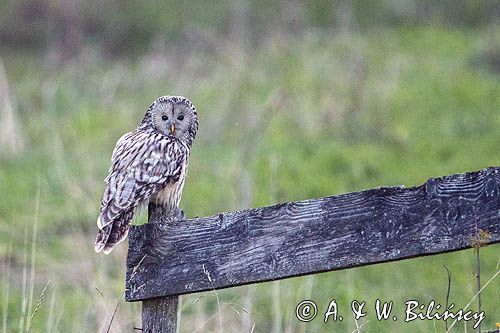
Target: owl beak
x=172 y=129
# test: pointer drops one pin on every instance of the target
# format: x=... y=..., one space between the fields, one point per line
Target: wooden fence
x=170 y=258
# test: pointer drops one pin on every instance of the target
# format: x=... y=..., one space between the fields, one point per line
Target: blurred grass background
x=296 y=100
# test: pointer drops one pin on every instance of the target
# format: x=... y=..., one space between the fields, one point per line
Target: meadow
x=305 y=116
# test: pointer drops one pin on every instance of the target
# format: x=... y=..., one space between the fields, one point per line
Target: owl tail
x=113 y=233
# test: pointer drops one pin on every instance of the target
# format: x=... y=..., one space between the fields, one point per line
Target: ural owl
x=147 y=165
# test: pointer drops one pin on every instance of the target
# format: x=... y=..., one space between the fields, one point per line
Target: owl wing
x=142 y=163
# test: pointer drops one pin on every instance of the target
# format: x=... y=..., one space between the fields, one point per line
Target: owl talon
x=181 y=216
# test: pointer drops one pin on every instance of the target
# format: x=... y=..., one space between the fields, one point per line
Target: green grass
x=299 y=118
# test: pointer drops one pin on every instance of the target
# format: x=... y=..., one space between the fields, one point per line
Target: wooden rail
x=170 y=258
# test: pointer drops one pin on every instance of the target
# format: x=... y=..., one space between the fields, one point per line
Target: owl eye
x=181 y=117
x=164 y=117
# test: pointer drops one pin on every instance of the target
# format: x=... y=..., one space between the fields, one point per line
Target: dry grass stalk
x=40 y=300
x=11 y=140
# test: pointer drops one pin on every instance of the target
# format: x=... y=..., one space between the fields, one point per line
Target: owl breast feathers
x=147 y=165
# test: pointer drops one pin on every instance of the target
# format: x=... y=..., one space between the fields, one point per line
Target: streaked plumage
x=148 y=164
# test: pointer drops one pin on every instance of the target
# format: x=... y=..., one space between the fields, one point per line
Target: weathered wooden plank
x=159 y=315
x=311 y=236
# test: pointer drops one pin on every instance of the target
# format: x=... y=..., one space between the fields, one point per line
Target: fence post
x=159 y=315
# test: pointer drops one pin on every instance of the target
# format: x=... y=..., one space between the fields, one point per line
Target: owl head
x=173 y=116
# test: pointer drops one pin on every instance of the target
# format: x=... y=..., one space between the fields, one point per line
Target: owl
x=148 y=165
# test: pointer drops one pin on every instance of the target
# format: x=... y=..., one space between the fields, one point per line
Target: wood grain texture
x=311 y=236
x=159 y=315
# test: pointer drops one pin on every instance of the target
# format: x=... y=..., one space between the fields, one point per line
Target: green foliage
x=301 y=117
x=126 y=26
